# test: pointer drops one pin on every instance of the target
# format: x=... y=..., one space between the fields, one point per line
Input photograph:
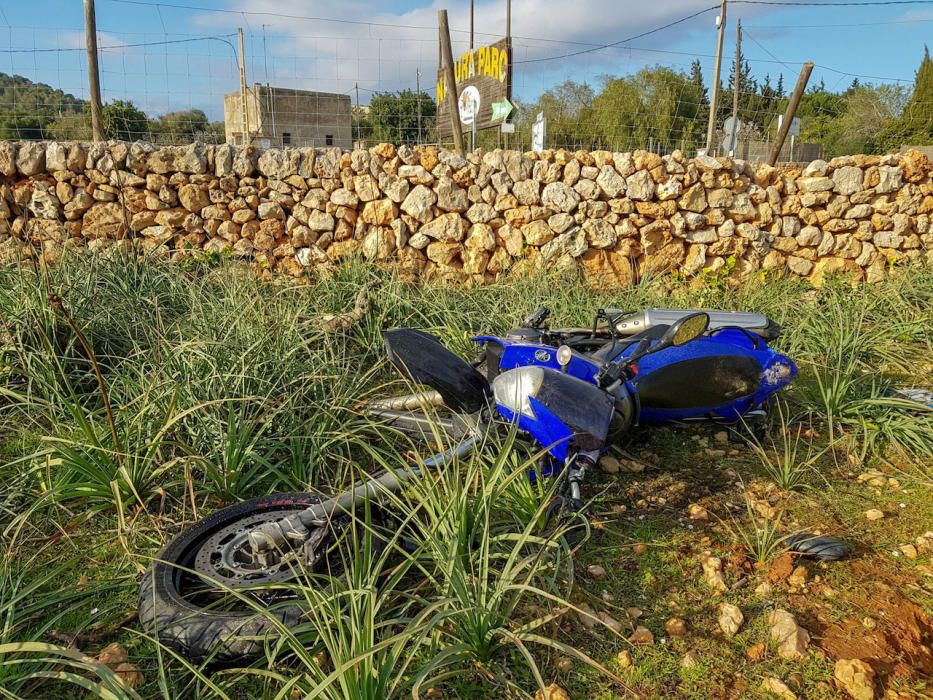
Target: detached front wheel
x=202 y=595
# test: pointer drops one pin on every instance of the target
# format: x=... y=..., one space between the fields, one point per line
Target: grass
x=218 y=386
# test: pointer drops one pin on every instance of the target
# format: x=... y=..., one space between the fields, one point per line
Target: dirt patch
x=899 y=642
x=781 y=568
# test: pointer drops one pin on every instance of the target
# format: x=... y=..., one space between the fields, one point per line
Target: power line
x=626 y=40
x=840 y=26
x=760 y=46
x=222 y=38
x=843 y=3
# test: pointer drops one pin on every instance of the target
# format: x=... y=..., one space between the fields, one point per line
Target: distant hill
x=27 y=108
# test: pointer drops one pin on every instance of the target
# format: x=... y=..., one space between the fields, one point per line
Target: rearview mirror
x=682 y=331
x=688 y=328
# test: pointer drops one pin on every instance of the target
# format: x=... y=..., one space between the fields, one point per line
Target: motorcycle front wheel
x=194 y=618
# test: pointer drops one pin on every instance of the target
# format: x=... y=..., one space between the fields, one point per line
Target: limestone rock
x=451 y=197
x=848 y=180
x=857 y=677
x=44 y=204
x=694 y=198
x=610 y=182
x=537 y=233
x=642 y=636
x=573 y=244
x=890 y=178
x=320 y=221
x=640 y=186
x=527 y=192
x=669 y=189
x=7 y=158
x=104 y=220
x=607 y=268
x=599 y=233
x=791 y=638
x=712 y=572
x=560 y=197
x=815 y=184
x=447 y=227
x=30 y=158
x=730 y=619
x=777 y=687
x=708 y=163
x=552 y=692
x=419 y=203
x=675 y=627
x=380 y=212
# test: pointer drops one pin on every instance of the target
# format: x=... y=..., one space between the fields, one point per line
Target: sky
x=181 y=54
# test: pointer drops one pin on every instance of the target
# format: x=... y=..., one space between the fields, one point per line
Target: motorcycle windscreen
x=421 y=357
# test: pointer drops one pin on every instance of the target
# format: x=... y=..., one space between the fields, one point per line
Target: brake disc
x=225 y=560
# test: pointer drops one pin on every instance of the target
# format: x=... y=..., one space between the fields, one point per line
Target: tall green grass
x=223 y=387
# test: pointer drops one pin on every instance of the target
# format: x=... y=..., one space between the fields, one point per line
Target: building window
x=286 y=138
x=329 y=140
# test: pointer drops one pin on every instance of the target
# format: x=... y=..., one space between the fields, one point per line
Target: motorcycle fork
x=292 y=532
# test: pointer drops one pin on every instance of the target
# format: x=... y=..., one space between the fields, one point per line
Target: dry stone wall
x=613 y=216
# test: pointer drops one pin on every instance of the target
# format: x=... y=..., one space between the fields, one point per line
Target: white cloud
x=335 y=56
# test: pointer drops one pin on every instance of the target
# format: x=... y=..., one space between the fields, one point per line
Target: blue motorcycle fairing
x=521 y=353
x=546 y=428
x=690 y=375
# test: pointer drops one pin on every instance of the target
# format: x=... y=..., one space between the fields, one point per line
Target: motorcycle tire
x=197 y=633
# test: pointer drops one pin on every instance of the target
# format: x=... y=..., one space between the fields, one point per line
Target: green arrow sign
x=501 y=110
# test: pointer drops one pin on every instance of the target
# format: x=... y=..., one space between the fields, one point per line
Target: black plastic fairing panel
x=581 y=406
x=699 y=382
x=422 y=358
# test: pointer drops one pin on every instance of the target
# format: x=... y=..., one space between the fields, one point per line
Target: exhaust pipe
x=409 y=402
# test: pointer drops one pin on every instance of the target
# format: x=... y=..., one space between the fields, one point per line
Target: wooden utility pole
x=791 y=111
x=714 y=102
x=244 y=113
x=451 y=96
x=508 y=51
x=93 y=72
x=418 y=89
x=471 y=25
x=737 y=83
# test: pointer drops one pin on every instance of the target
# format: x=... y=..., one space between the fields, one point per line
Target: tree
x=124 y=121
x=657 y=107
x=393 y=117
x=569 y=111
x=817 y=111
x=181 y=127
x=27 y=108
x=915 y=125
x=864 y=113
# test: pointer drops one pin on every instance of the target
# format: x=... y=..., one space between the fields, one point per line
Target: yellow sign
x=485 y=68
x=485 y=61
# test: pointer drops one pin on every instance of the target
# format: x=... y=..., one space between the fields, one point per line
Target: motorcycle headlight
x=513 y=388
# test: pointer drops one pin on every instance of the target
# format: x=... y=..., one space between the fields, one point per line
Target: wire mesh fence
x=320 y=83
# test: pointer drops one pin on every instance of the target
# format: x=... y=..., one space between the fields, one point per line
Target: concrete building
x=277 y=117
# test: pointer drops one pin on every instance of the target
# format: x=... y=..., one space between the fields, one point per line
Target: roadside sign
x=732 y=127
x=508 y=128
x=485 y=69
x=538 y=132
x=501 y=110
x=468 y=104
x=794 y=125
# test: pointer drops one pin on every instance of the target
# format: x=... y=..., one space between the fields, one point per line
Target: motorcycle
x=571 y=391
